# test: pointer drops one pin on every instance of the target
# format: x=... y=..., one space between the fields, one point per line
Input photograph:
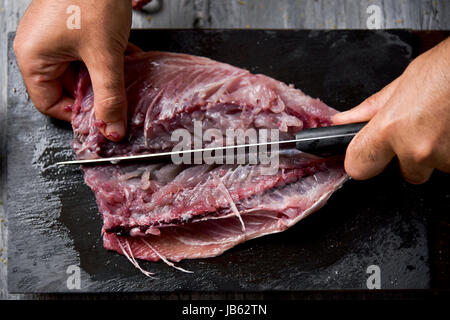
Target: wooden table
x=302 y=14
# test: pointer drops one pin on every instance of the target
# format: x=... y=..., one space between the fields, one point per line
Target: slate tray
x=54 y=222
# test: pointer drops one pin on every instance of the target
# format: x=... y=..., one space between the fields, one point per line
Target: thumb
x=110 y=102
x=368 y=108
x=369 y=152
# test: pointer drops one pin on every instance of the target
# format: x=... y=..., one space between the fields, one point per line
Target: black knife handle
x=330 y=140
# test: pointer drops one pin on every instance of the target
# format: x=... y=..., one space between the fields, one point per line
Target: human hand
x=45 y=47
x=409 y=118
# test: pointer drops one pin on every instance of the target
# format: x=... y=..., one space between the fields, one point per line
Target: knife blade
x=321 y=141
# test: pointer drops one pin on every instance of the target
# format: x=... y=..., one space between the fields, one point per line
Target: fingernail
x=115 y=131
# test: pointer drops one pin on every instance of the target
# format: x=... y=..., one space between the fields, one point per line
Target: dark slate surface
x=54 y=222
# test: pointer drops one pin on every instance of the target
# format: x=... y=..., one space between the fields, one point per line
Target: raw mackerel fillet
x=174 y=212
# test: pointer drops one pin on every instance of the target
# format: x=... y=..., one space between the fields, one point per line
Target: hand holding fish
x=46 y=44
x=409 y=119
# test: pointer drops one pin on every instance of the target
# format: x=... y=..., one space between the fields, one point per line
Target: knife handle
x=326 y=141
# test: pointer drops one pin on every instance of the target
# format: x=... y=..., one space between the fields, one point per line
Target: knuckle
x=412 y=171
x=110 y=85
x=19 y=52
x=23 y=49
x=16 y=46
x=372 y=101
x=42 y=109
x=111 y=105
x=415 y=65
x=107 y=81
x=34 y=79
x=388 y=129
x=415 y=177
x=422 y=152
x=21 y=41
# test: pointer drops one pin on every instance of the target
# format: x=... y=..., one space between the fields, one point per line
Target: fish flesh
x=170 y=212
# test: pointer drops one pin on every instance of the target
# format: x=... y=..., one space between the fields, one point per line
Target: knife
x=323 y=141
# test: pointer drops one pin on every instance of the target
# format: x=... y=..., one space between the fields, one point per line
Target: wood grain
x=308 y=14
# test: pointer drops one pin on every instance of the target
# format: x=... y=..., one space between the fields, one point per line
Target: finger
x=110 y=104
x=368 y=108
x=61 y=109
x=132 y=49
x=368 y=154
x=46 y=90
x=69 y=79
x=413 y=172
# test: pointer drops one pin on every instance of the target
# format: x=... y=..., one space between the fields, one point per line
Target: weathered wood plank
x=328 y=14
